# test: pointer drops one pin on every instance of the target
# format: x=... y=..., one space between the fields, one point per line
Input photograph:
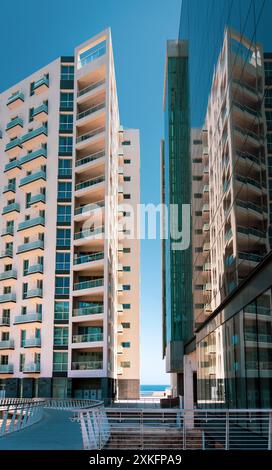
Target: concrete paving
x=55 y=431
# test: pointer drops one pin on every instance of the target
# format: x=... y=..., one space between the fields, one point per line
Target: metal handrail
x=91 y=110
x=90 y=134
x=90 y=87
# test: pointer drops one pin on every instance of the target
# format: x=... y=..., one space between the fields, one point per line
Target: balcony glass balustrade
x=250 y=256
x=32 y=368
x=33 y=177
x=88 y=258
x=90 y=87
x=89 y=233
x=37 y=198
x=87 y=365
x=34 y=133
x=91 y=284
x=31 y=223
x=91 y=110
x=12 y=164
x=32 y=155
x=89 y=207
x=14 y=122
x=13 y=143
x=31 y=342
x=10 y=187
x=10 y=274
x=90 y=158
x=7 y=344
x=42 y=81
x=87 y=338
x=43 y=108
x=91 y=182
x=90 y=134
x=90 y=310
x=6 y=368
x=11 y=207
x=18 y=95
x=35 y=268
x=31 y=246
x=28 y=318
x=34 y=293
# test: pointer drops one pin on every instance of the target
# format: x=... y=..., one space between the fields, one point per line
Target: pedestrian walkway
x=55 y=431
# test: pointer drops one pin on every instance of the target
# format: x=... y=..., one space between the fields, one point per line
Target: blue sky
x=33 y=34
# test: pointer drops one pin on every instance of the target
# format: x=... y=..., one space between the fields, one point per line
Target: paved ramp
x=55 y=431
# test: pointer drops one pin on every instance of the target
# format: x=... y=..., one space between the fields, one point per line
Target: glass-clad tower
x=176 y=192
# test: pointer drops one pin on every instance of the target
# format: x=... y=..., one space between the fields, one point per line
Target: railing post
x=227 y=431
x=184 y=432
x=203 y=441
x=270 y=430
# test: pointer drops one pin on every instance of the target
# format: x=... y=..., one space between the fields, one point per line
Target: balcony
x=40 y=113
x=89 y=161
x=90 y=88
x=87 y=365
x=28 y=318
x=251 y=234
x=89 y=235
x=86 y=259
x=8 y=253
x=84 y=139
x=85 y=211
x=251 y=258
x=95 y=309
x=33 y=179
x=248 y=137
x=8 y=298
x=6 y=368
x=34 y=269
x=4 y=321
x=245 y=114
x=8 y=233
x=37 y=201
x=10 y=209
x=15 y=100
x=92 y=284
x=12 y=168
x=7 y=344
x=14 y=127
x=27 y=225
x=87 y=338
x=13 y=147
x=89 y=183
x=32 y=368
x=32 y=343
x=250 y=209
x=34 y=138
x=93 y=109
x=38 y=157
x=10 y=274
x=41 y=85
x=34 y=293
x=37 y=245
x=9 y=189
x=251 y=183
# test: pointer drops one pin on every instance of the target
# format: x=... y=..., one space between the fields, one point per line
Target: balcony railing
x=6 y=253
x=249 y=110
x=32 y=155
x=34 y=293
x=33 y=367
x=31 y=223
x=247 y=132
x=60 y=366
x=6 y=368
x=7 y=344
x=250 y=257
x=89 y=284
x=11 y=207
x=12 y=164
x=248 y=180
x=87 y=365
x=31 y=246
x=87 y=338
x=34 y=133
x=43 y=108
x=89 y=207
x=35 y=268
x=37 y=198
x=28 y=318
x=251 y=231
x=90 y=134
x=91 y=182
x=9 y=297
x=262 y=338
x=91 y=310
x=13 y=143
x=89 y=233
x=246 y=86
x=42 y=81
x=90 y=87
x=11 y=274
x=91 y=110
x=90 y=158
x=8 y=231
x=4 y=321
x=31 y=342
x=88 y=258
x=33 y=177
x=10 y=187
x=15 y=96
x=15 y=122
x=249 y=205
x=61 y=341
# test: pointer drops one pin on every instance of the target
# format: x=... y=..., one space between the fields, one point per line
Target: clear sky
x=34 y=33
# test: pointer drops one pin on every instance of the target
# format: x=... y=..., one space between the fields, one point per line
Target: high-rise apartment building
x=176 y=195
x=69 y=280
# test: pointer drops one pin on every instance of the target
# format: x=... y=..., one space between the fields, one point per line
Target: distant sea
x=147 y=390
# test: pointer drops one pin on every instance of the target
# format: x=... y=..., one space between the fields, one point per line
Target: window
x=126 y=286
x=126 y=306
x=126 y=268
x=23 y=338
x=62 y=261
x=66 y=100
x=127 y=161
x=127 y=178
x=126 y=142
x=198 y=231
x=198 y=249
x=64 y=190
x=197 y=160
x=62 y=285
x=126 y=250
x=197 y=196
x=65 y=168
x=91 y=54
x=65 y=145
x=25 y=267
x=125 y=364
x=197 y=178
x=61 y=336
x=62 y=310
x=126 y=325
x=66 y=122
x=126 y=344
x=60 y=361
x=22 y=362
x=126 y=196
x=63 y=236
x=24 y=290
x=67 y=72
x=63 y=214
x=198 y=213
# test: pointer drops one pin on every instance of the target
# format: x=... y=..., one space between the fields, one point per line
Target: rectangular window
x=127 y=178
x=62 y=261
x=127 y=268
x=61 y=336
x=63 y=214
x=65 y=168
x=127 y=161
x=62 y=310
x=66 y=101
x=62 y=285
x=126 y=306
x=125 y=364
x=63 y=237
x=60 y=361
x=126 y=286
x=126 y=196
x=126 y=325
x=126 y=344
x=65 y=145
x=64 y=190
x=66 y=123
x=67 y=72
